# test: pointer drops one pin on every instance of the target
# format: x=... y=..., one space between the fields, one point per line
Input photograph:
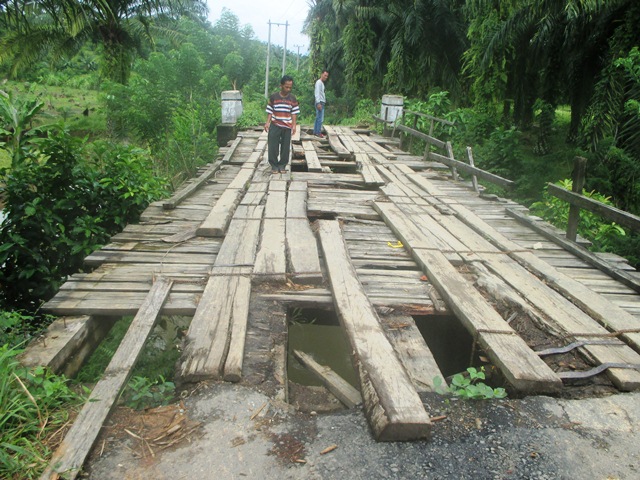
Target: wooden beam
x=422 y=136
x=597 y=306
x=67 y=343
x=337 y=385
x=392 y=405
x=74 y=449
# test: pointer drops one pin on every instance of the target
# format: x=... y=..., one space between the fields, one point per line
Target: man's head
x=286 y=84
x=324 y=76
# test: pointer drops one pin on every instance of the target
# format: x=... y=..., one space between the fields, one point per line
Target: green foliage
x=16 y=328
x=16 y=116
x=142 y=393
x=34 y=405
x=591 y=226
x=469 y=386
x=62 y=201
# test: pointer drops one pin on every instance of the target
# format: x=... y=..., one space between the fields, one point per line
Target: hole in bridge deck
x=317 y=333
x=449 y=342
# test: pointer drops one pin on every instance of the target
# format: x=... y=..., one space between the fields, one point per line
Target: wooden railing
x=447 y=157
x=578 y=201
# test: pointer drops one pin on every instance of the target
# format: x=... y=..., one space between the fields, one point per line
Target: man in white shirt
x=320 y=101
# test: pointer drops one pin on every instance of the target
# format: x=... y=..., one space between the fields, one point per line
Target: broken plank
x=597 y=306
x=392 y=405
x=337 y=385
x=335 y=143
x=413 y=351
x=74 y=449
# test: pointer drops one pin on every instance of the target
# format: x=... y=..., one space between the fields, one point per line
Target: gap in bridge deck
x=316 y=332
x=158 y=357
x=448 y=340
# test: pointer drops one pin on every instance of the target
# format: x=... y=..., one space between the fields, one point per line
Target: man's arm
x=266 y=125
x=294 y=120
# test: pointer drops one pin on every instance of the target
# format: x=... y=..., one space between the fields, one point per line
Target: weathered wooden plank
x=297 y=200
x=412 y=351
x=337 y=385
x=74 y=449
x=224 y=303
x=136 y=284
x=311 y=157
x=584 y=254
x=520 y=365
x=238 y=326
x=271 y=260
x=569 y=319
x=303 y=250
x=216 y=223
x=240 y=243
x=115 y=303
x=183 y=193
x=392 y=405
x=335 y=143
x=369 y=173
x=101 y=256
x=232 y=149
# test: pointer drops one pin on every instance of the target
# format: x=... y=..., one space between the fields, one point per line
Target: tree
x=61 y=27
x=404 y=46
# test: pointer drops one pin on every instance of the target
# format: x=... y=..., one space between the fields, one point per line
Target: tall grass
x=35 y=407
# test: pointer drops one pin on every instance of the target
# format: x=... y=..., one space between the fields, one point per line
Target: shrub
x=604 y=235
x=61 y=204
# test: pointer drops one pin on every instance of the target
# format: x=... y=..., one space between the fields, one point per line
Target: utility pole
x=298 y=59
x=284 y=54
x=266 y=80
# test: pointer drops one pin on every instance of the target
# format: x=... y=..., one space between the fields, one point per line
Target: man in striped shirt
x=282 y=114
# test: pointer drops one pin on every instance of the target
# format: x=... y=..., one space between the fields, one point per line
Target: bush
x=604 y=235
x=62 y=204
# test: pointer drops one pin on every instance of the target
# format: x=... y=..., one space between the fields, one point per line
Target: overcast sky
x=257 y=13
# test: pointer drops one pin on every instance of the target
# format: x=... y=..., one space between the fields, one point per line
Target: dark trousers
x=279 y=141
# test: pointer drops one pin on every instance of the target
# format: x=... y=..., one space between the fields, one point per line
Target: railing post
x=474 y=179
x=578 y=177
x=415 y=127
x=454 y=172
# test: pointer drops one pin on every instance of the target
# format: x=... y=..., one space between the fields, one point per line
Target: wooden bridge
x=361 y=227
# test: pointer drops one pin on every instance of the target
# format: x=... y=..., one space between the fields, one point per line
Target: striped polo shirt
x=282 y=109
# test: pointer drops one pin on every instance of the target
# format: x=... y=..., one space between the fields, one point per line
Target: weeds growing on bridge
x=469 y=386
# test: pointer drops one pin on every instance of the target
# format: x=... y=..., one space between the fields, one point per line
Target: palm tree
x=549 y=49
x=59 y=27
